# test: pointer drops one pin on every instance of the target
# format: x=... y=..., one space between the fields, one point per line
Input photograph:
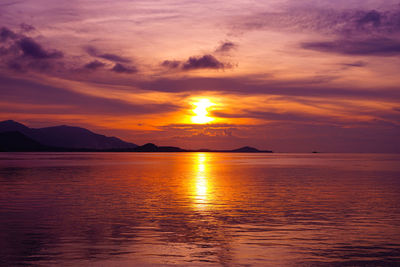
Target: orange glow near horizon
x=201 y=111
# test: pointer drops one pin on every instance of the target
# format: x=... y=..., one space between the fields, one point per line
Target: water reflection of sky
x=193 y=208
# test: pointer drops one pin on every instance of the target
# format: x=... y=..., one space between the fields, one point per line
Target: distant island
x=16 y=137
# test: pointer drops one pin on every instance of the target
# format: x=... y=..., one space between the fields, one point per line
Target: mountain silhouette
x=246 y=149
x=149 y=147
x=15 y=136
x=66 y=137
x=16 y=141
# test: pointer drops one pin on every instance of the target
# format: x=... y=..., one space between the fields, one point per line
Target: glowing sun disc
x=201 y=111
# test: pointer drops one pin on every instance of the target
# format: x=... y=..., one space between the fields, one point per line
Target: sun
x=201 y=111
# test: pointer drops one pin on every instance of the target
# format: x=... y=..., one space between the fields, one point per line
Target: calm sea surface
x=220 y=209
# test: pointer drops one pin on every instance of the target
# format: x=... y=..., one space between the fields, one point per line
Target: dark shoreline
x=16 y=137
x=135 y=151
x=18 y=142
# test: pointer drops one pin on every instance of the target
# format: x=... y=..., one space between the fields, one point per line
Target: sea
x=199 y=209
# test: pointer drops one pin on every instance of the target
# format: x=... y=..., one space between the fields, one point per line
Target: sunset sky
x=286 y=75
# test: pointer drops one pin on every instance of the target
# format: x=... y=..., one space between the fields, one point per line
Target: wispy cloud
x=340 y=21
x=71 y=102
x=312 y=87
x=225 y=47
x=108 y=56
x=373 y=46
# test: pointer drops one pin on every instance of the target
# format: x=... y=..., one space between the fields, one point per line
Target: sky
x=286 y=75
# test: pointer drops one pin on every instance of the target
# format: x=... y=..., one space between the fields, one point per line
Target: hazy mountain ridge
x=66 y=137
x=15 y=136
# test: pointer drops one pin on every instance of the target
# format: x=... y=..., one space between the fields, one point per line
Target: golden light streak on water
x=201 y=182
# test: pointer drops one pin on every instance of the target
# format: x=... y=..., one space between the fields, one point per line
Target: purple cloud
x=21 y=53
x=225 y=47
x=357 y=64
x=94 y=65
x=114 y=58
x=6 y=34
x=26 y=27
x=371 y=46
x=373 y=17
x=172 y=64
x=33 y=49
x=111 y=57
x=15 y=66
x=334 y=21
x=119 y=68
x=204 y=62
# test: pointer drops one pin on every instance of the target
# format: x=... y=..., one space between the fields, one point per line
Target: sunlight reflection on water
x=201 y=182
x=199 y=208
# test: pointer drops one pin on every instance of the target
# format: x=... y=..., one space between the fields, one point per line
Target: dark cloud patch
x=119 y=68
x=372 y=47
x=21 y=53
x=44 y=65
x=204 y=62
x=3 y=51
x=23 y=64
x=111 y=57
x=172 y=64
x=15 y=66
x=94 y=65
x=225 y=47
x=357 y=64
x=26 y=27
x=6 y=34
x=91 y=51
x=31 y=48
x=114 y=58
x=373 y=17
x=194 y=63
